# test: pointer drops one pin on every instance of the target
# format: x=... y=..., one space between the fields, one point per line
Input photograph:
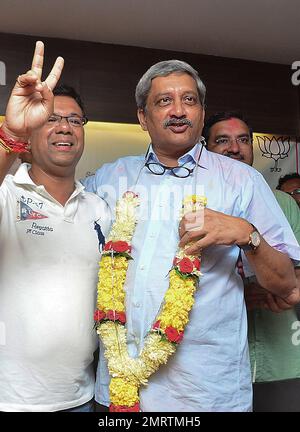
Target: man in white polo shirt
x=49 y=250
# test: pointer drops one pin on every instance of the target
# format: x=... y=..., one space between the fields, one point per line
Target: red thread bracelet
x=12 y=145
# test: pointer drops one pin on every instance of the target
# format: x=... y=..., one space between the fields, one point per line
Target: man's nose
x=63 y=126
x=178 y=108
x=233 y=146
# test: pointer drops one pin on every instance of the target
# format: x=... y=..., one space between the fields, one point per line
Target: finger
x=191 y=232
x=38 y=59
x=55 y=73
x=189 y=236
x=26 y=79
x=293 y=298
x=195 y=249
x=48 y=98
x=181 y=231
x=282 y=305
x=272 y=305
x=193 y=221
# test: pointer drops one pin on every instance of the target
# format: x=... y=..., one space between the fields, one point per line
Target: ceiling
x=262 y=30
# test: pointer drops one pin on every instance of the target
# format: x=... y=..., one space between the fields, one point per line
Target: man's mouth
x=178 y=128
x=236 y=157
x=63 y=144
x=178 y=125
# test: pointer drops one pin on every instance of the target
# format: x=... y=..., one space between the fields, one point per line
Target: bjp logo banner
x=275 y=156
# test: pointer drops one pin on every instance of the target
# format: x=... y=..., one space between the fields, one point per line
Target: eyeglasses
x=240 y=140
x=294 y=192
x=74 y=120
x=159 y=169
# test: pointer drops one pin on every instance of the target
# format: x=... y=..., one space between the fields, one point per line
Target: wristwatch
x=254 y=241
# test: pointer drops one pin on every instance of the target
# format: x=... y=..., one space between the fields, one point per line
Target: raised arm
x=29 y=106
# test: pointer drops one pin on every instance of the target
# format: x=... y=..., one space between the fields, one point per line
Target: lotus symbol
x=274 y=148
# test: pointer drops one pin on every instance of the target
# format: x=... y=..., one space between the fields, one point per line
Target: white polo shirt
x=48 y=277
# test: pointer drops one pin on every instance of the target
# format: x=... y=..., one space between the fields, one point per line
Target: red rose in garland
x=122 y=408
x=108 y=246
x=99 y=315
x=186 y=265
x=120 y=246
x=197 y=263
x=121 y=317
x=173 y=335
x=112 y=315
x=156 y=325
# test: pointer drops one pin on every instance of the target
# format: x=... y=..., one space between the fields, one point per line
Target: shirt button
x=142 y=267
x=137 y=305
x=137 y=340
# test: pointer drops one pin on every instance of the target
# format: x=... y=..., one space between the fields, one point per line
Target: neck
x=59 y=187
x=168 y=158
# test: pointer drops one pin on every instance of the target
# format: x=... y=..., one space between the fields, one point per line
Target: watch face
x=255 y=238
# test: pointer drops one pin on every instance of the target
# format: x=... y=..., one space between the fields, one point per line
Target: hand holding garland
x=273 y=269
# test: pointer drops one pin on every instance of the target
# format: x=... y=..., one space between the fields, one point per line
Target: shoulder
x=285 y=200
x=8 y=184
x=109 y=172
x=229 y=169
x=127 y=161
x=291 y=211
x=8 y=179
x=111 y=167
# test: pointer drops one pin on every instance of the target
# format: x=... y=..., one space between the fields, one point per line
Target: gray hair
x=165 y=68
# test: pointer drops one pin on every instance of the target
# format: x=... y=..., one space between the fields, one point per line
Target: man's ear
x=203 y=118
x=142 y=118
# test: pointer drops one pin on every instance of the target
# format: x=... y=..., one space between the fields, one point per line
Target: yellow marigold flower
x=123 y=392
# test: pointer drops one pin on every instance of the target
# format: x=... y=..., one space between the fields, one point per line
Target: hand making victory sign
x=31 y=100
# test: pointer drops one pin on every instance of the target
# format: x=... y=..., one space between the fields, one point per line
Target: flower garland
x=128 y=374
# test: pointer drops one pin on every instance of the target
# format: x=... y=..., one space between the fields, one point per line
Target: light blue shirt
x=210 y=370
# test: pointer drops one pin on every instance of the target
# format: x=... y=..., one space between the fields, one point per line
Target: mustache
x=174 y=122
x=234 y=155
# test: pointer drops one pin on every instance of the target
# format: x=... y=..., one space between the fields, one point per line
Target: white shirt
x=48 y=276
x=210 y=370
